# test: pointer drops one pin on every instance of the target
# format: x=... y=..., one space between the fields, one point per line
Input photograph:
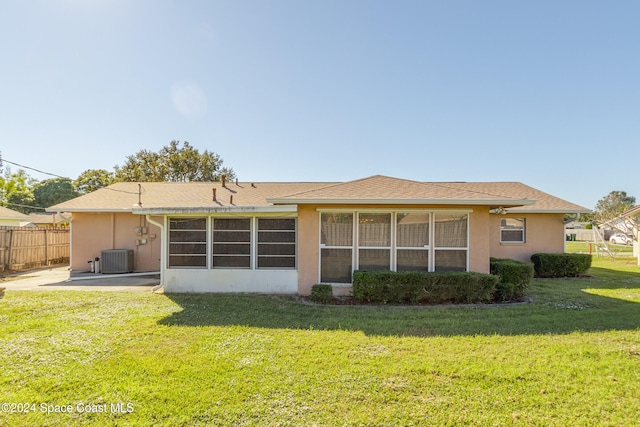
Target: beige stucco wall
x=543 y=233
x=93 y=232
x=308 y=248
x=309 y=235
x=10 y=222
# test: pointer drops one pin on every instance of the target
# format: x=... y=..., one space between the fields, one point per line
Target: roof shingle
x=124 y=196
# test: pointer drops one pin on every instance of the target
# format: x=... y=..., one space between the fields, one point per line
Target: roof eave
x=88 y=210
x=360 y=201
x=556 y=211
x=213 y=209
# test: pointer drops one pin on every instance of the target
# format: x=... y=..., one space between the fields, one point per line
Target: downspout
x=70 y=237
x=162 y=252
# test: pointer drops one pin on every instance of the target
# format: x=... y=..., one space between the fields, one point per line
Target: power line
x=3 y=160
x=143 y=191
x=25 y=206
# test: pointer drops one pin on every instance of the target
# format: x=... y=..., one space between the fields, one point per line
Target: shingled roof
x=6 y=213
x=158 y=197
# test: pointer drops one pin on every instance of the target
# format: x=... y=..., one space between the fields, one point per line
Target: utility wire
x=143 y=191
x=33 y=169
x=25 y=206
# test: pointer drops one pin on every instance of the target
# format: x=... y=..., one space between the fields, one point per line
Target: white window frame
x=357 y=245
x=209 y=241
x=250 y=243
x=169 y=243
x=437 y=248
x=258 y=243
x=431 y=247
x=325 y=246
x=423 y=248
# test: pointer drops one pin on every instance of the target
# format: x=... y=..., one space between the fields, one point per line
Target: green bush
x=322 y=293
x=560 y=265
x=515 y=277
x=505 y=292
x=412 y=287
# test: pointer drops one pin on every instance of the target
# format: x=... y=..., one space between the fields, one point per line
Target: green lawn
x=586 y=248
x=571 y=357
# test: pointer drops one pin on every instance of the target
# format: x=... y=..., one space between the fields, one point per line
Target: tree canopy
x=173 y=164
x=612 y=205
x=93 y=179
x=16 y=191
x=53 y=191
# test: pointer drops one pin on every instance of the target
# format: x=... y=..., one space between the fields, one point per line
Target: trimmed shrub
x=505 y=292
x=560 y=265
x=322 y=293
x=413 y=287
x=515 y=277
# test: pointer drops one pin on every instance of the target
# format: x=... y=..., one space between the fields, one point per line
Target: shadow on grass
x=560 y=306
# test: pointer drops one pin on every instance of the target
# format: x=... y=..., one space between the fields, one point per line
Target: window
x=512 y=230
x=412 y=241
x=450 y=242
x=336 y=247
x=400 y=241
x=188 y=242
x=276 y=243
x=231 y=243
x=374 y=241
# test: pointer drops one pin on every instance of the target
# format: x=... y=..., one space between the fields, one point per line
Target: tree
x=612 y=206
x=173 y=164
x=16 y=191
x=609 y=208
x=93 y=179
x=53 y=191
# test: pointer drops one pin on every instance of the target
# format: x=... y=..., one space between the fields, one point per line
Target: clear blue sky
x=542 y=92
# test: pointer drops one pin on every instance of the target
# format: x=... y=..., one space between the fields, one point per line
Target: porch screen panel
x=336 y=247
x=231 y=243
x=451 y=242
x=374 y=241
x=277 y=243
x=374 y=259
x=336 y=265
x=412 y=241
x=451 y=260
x=188 y=242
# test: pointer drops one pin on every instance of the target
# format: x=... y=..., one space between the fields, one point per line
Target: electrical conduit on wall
x=162 y=252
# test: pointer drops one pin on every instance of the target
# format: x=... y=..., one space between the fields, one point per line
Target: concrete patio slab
x=59 y=278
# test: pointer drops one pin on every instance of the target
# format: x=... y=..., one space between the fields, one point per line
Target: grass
x=570 y=357
x=590 y=248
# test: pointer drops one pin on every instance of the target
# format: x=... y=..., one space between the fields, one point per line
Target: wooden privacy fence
x=24 y=248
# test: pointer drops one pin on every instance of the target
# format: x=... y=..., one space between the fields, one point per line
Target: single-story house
x=11 y=218
x=268 y=237
x=48 y=220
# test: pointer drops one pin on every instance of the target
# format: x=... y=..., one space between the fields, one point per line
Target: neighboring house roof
x=172 y=197
x=6 y=213
x=634 y=211
x=49 y=218
x=577 y=225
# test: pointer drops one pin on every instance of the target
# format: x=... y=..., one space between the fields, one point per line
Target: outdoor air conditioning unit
x=117 y=261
